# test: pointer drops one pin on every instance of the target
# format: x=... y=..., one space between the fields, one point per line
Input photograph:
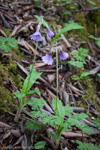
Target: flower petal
x=47 y=59
x=36 y=36
x=63 y=55
x=50 y=33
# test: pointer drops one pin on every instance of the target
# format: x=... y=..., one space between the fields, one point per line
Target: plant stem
x=82 y=136
x=56 y=79
x=56 y=127
x=32 y=67
x=22 y=100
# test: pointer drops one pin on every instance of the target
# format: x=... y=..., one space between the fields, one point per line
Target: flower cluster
x=37 y=35
x=48 y=58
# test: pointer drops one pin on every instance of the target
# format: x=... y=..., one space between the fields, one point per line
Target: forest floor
x=78 y=77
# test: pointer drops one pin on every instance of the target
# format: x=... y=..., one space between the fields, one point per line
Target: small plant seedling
x=75 y=77
x=40 y=145
x=80 y=57
x=7 y=43
x=96 y=39
x=28 y=82
x=87 y=146
x=97 y=122
x=58 y=120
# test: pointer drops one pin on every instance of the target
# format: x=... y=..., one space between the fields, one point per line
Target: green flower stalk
x=30 y=79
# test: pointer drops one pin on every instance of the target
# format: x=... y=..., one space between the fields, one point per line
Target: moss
x=7 y=31
x=16 y=80
x=16 y=52
x=90 y=87
x=88 y=29
x=12 y=67
x=8 y=72
x=7 y=102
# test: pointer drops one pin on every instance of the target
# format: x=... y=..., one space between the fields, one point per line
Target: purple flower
x=50 y=33
x=47 y=59
x=36 y=36
x=63 y=55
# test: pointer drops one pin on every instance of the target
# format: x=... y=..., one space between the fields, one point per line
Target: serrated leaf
x=39 y=114
x=86 y=129
x=20 y=95
x=80 y=116
x=60 y=109
x=97 y=122
x=36 y=103
x=33 y=125
x=68 y=110
x=7 y=43
x=76 y=63
x=87 y=146
x=12 y=42
x=83 y=52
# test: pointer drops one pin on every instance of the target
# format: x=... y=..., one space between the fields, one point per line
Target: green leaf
x=80 y=116
x=32 y=92
x=75 y=121
x=36 y=103
x=52 y=120
x=97 y=122
x=39 y=114
x=60 y=109
x=30 y=80
x=76 y=63
x=87 y=146
x=40 y=145
x=92 y=37
x=96 y=39
x=12 y=42
x=69 y=26
x=7 y=43
x=91 y=2
x=86 y=128
x=20 y=95
x=98 y=74
x=43 y=21
x=84 y=75
x=83 y=52
x=68 y=110
x=98 y=42
x=31 y=125
x=75 y=77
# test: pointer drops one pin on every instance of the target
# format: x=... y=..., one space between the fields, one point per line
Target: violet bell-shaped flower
x=36 y=36
x=50 y=33
x=48 y=59
x=63 y=55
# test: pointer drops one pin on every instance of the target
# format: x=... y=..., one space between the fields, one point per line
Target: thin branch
x=92 y=9
x=59 y=5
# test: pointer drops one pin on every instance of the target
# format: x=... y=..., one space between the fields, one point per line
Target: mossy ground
x=90 y=86
x=89 y=20
x=8 y=73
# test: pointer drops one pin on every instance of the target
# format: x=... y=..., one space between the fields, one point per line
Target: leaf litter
x=18 y=18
